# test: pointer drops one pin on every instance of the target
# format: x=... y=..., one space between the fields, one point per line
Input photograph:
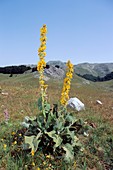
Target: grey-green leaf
x=29 y=140
x=69 y=152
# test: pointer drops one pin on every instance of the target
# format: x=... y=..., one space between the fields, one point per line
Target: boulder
x=76 y=104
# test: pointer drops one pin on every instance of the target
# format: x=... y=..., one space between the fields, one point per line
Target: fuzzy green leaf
x=69 y=152
x=33 y=141
x=36 y=141
x=56 y=138
x=71 y=119
x=29 y=140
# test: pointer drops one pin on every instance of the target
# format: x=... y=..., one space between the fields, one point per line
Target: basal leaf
x=69 y=155
x=29 y=140
x=36 y=143
x=56 y=138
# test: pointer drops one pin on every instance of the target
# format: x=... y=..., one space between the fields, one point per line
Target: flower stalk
x=66 y=86
x=42 y=64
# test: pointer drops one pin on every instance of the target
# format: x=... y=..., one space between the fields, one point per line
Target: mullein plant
x=53 y=131
x=66 y=86
x=40 y=67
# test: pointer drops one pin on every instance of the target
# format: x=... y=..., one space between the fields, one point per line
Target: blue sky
x=79 y=30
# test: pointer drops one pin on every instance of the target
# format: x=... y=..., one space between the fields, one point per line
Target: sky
x=78 y=30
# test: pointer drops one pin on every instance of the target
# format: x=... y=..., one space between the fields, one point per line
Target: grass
x=23 y=92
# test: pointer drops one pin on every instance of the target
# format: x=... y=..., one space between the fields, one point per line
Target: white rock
x=76 y=104
x=86 y=82
x=5 y=94
x=98 y=102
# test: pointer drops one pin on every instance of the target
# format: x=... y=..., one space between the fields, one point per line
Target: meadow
x=21 y=100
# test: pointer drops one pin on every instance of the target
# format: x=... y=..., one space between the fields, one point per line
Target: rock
x=76 y=104
x=54 y=72
x=4 y=94
x=98 y=102
x=86 y=82
x=57 y=64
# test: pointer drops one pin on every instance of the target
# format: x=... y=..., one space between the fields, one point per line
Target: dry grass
x=23 y=92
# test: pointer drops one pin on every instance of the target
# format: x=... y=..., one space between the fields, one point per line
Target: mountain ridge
x=56 y=69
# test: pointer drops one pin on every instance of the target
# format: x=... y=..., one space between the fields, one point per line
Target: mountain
x=100 y=69
x=93 y=72
x=56 y=69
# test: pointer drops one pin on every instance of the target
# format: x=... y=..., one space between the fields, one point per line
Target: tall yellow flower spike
x=42 y=64
x=66 y=85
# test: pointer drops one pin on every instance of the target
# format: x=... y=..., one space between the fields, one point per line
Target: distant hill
x=56 y=69
x=97 y=70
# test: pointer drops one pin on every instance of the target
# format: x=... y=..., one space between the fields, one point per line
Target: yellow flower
x=40 y=49
x=43 y=30
x=5 y=146
x=15 y=142
x=13 y=133
x=33 y=164
x=38 y=168
x=41 y=65
x=45 y=86
x=48 y=156
x=43 y=43
x=44 y=163
x=43 y=47
x=44 y=38
x=66 y=85
x=20 y=134
x=41 y=82
x=66 y=80
x=69 y=64
x=32 y=152
x=69 y=75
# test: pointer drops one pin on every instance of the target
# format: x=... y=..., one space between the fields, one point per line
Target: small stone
x=4 y=94
x=98 y=102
